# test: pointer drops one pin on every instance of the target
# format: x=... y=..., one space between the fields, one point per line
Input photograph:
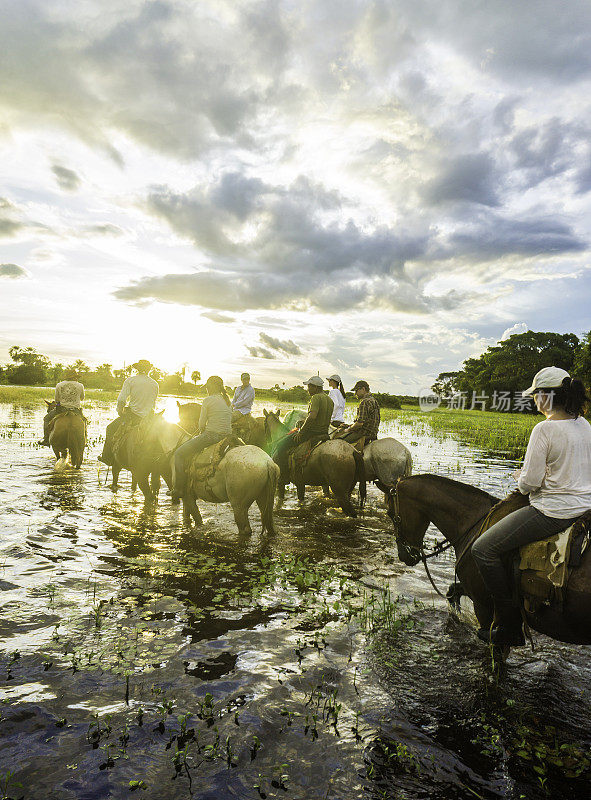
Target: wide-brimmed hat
x=547 y=378
x=336 y=378
x=142 y=365
x=315 y=380
x=361 y=385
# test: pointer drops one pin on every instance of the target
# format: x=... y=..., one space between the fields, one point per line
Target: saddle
x=540 y=571
x=204 y=465
x=66 y=412
x=124 y=445
x=300 y=455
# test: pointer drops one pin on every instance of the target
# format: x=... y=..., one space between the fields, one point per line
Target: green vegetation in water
x=488 y=430
x=36 y=394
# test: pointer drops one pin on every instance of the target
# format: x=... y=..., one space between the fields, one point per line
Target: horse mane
x=466 y=487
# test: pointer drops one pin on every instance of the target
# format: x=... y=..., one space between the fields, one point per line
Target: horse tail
x=267 y=497
x=360 y=477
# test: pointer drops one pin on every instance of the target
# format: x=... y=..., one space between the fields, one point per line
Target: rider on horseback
x=314 y=426
x=367 y=420
x=556 y=475
x=140 y=393
x=69 y=395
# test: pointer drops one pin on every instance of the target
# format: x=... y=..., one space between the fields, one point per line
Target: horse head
x=51 y=404
x=408 y=536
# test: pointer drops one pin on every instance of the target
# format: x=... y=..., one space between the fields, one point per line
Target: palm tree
x=195 y=376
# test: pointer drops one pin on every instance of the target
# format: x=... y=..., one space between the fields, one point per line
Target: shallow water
x=136 y=650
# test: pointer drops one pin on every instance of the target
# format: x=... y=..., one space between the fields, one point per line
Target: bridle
x=439 y=548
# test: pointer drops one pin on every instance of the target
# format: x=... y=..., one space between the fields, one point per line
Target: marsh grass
x=488 y=430
x=36 y=394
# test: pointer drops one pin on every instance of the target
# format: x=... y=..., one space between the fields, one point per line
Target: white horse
x=385 y=461
x=245 y=475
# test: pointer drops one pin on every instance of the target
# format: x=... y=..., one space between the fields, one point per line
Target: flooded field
x=139 y=656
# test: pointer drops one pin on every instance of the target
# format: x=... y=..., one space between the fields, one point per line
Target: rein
x=440 y=547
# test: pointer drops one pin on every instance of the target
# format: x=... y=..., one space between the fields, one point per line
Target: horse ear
x=178 y=404
x=265 y=412
x=278 y=412
x=48 y=403
x=159 y=414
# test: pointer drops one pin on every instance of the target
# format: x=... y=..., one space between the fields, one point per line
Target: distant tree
x=509 y=366
x=386 y=400
x=445 y=384
x=30 y=367
x=195 y=376
x=582 y=364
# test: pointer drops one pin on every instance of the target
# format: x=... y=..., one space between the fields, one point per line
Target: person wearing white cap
x=337 y=395
x=556 y=475
x=315 y=425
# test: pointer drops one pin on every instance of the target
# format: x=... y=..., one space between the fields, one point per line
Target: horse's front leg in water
x=114 y=483
x=280 y=495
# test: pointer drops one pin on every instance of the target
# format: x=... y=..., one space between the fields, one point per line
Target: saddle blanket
x=542 y=568
x=204 y=465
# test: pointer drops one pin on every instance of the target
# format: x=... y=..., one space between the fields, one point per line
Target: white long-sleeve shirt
x=243 y=399
x=69 y=394
x=339 y=405
x=557 y=468
x=142 y=392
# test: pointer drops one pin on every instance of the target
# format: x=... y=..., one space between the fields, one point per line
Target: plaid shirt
x=368 y=414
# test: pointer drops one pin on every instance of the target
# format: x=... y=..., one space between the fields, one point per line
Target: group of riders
x=556 y=473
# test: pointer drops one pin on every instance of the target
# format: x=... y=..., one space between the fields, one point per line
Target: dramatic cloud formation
x=519 y=327
x=333 y=166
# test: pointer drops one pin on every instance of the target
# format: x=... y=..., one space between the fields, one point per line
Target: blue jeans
x=186 y=452
x=521 y=527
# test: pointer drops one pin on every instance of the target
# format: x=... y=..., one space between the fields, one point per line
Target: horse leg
x=301 y=490
x=114 y=483
x=343 y=498
x=241 y=520
x=280 y=495
x=326 y=490
x=191 y=510
x=144 y=484
x=155 y=483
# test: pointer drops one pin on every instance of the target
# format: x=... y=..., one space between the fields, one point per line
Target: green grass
x=490 y=430
x=36 y=394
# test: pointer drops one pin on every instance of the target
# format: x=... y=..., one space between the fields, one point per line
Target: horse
x=333 y=464
x=245 y=474
x=385 y=461
x=68 y=435
x=293 y=417
x=137 y=448
x=458 y=511
x=189 y=414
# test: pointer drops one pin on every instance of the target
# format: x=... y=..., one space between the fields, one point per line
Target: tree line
x=507 y=368
x=30 y=368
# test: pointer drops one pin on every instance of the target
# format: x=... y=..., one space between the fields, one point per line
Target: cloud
x=519 y=327
x=215 y=316
x=9 y=222
x=288 y=346
x=12 y=271
x=104 y=229
x=467 y=178
x=67 y=179
x=261 y=352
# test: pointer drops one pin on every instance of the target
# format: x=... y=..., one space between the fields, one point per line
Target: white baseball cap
x=547 y=378
x=315 y=380
x=336 y=378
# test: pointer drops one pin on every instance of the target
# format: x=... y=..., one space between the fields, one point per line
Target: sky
x=377 y=188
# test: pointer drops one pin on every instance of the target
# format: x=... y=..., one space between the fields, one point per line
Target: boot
x=508 y=630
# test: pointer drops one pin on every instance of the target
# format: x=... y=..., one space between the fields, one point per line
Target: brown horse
x=137 y=448
x=458 y=510
x=68 y=436
x=334 y=464
x=189 y=414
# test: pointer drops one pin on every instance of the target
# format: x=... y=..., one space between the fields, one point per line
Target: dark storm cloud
x=67 y=179
x=492 y=236
x=468 y=178
x=12 y=271
x=285 y=346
